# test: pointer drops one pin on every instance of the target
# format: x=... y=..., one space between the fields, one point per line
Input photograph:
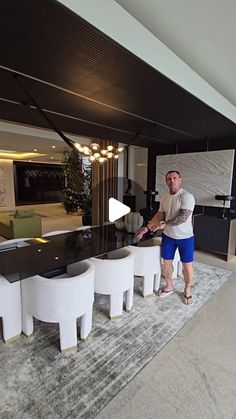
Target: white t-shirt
x=170 y=205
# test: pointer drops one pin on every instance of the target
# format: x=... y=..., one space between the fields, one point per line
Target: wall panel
x=205 y=174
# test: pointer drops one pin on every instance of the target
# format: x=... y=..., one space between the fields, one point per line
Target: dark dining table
x=49 y=255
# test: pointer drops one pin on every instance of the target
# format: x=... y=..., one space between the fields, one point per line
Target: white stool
x=10 y=301
x=113 y=276
x=61 y=300
x=147 y=263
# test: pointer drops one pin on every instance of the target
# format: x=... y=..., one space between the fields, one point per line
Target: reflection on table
x=47 y=255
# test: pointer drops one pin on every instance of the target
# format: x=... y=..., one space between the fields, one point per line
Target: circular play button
x=115 y=197
x=116 y=209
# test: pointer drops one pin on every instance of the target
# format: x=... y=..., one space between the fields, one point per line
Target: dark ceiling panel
x=74 y=107
x=110 y=92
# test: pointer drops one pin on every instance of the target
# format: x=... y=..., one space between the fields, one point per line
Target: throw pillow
x=24 y=213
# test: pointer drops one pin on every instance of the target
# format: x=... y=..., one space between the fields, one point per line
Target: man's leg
x=186 y=251
x=188 y=280
x=167 y=272
x=168 y=249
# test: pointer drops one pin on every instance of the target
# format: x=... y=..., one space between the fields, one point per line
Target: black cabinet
x=216 y=235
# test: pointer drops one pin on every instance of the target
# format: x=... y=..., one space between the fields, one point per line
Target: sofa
x=21 y=224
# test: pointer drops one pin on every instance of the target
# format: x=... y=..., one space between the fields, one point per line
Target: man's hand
x=140 y=233
x=156 y=226
x=162 y=225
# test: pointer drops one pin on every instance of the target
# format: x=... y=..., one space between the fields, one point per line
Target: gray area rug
x=37 y=381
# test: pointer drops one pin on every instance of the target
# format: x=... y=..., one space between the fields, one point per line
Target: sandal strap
x=187 y=297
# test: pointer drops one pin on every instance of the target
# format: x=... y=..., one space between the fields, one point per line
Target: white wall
x=7 y=195
x=120 y=183
x=138 y=157
x=204 y=174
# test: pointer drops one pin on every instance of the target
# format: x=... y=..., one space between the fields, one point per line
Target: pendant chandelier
x=95 y=152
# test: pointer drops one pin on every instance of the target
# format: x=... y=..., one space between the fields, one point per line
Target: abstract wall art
x=204 y=174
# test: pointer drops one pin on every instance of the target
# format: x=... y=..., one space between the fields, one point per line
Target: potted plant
x=78 y=180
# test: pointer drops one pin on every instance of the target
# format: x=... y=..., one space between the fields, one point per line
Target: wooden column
x=104 y=185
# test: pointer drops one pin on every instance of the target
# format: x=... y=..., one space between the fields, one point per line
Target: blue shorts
x=185 y=246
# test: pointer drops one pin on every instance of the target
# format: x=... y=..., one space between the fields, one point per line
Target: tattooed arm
x=183 y=215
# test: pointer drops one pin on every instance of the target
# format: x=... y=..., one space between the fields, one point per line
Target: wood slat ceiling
x=90 y=85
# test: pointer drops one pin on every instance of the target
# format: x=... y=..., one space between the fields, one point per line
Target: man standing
x=175 y=218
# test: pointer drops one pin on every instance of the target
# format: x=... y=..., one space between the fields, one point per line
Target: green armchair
x=22 y=224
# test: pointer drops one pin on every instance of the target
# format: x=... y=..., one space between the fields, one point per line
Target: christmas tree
x=77 y=192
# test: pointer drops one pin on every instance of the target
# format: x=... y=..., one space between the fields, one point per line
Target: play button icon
x=117 y=209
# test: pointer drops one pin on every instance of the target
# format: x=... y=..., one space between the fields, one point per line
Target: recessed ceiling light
x=19 y=155
x=53 y=146
x=35 y=149
x=52 y=158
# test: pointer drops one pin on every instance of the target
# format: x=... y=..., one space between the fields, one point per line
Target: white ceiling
x=201 y=33
x=21 y=138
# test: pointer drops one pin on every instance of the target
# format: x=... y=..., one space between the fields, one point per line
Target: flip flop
x=188 y=297
x=163 y=293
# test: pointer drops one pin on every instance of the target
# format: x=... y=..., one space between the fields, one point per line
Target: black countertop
x=49 y=254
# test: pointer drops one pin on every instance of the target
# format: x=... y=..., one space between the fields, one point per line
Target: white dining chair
x=10 y=309
x=113 y=276
x=10 y=301
x=147 y=264
x=61 y=300
x=82 y=228
x=14 y=242
x=177 y=264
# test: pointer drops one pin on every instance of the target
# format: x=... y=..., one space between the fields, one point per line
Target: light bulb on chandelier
x=95 y=153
